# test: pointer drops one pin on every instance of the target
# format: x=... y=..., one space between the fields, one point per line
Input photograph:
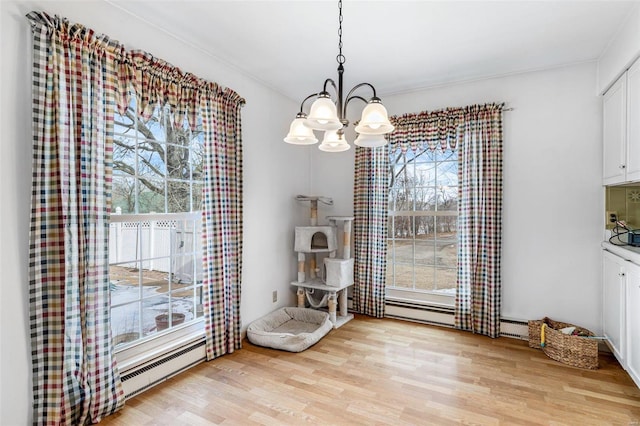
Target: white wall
x=553 y=203
x=622 y=50
x=274 y=173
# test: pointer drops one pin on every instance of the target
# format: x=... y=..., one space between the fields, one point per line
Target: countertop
x=626 y=252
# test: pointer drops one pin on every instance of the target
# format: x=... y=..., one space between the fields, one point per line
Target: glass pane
x=178 y=163
x=403 y=226
x=125 y=323
x=425 y=174
x=199 y=302
x=155 y=276
x=154 y=128
x=183 y=271
x=197 y=160
x=124 y=284
x=124 y=243
x=390 y=282
x=403 y=275
x=182 y=301
x=425 y=253
x=155 y=314
x=123 y=193
x=425 y=227
x=151 y=196
x=447 y=198
x=197 y=197
x=425 y=277
x=448 y=155
x=178 y=135
x=446 y=280
x=391 y=227
x=424 y=199
x=393 y=195
x=402 y=251
x=178 y=196
x=446 y=253
x=448 y=173
x=124 y=156
x=125 y=126
x=425 y=156
x=184 y=242
x=151 y=161
x=447 y=241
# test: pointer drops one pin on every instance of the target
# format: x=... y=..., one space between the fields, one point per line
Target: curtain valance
x=64 y=33
x=157 y=82
x=443 y=128
x=153 y=81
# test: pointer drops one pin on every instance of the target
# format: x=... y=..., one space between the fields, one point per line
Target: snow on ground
x=126 y=318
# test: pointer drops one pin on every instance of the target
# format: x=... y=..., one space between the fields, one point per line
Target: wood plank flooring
x=390 y=372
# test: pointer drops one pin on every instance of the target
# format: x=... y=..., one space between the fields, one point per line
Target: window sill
x=136 y=354
x=421 y=297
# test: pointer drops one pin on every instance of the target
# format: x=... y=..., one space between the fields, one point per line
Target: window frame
x=129 y=354
x=413 y=294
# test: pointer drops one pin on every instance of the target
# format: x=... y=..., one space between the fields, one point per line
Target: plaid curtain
x=478 y=298
x=476 y=132
x=370 y=206
x=75 y=379
x=222 y=221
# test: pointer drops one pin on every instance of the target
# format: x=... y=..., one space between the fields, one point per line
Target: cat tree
x=329 y=277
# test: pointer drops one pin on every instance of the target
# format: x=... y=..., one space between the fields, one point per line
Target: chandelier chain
x=340 y=58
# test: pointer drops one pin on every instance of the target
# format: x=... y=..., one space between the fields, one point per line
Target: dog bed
x=290 y=329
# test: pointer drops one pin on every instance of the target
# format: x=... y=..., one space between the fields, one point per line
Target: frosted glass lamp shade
x=299 y=134
x=333 y=142
x=370 y=141
x=323 y=115
x=375 y=120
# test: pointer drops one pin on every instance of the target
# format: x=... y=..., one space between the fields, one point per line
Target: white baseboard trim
x=444 y=317
x=144 y=376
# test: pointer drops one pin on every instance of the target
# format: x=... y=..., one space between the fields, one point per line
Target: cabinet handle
x=622 y=166
x=622 y=274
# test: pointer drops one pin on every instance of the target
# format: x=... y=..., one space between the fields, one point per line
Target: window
x=155 y=256
x=422 y=240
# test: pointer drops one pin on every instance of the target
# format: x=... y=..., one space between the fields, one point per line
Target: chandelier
x=329 y=116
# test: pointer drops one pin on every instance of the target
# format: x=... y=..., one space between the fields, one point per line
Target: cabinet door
x=614 y=132
x=633 y=322
x=633 y=123
x=613 y=304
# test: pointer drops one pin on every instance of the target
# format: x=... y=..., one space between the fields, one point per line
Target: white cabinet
x=621 y=129
x=633 y=123
x=614 y=134
x=633 y=322
x=613 y=320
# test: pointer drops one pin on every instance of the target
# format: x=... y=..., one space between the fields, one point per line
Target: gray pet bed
x=290 y=329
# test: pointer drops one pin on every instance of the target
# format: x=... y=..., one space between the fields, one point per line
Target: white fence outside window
x=163 y=244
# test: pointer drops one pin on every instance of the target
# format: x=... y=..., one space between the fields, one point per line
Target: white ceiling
x=397 y=46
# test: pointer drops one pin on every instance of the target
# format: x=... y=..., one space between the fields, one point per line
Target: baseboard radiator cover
x=142 y=377
x=443 y=316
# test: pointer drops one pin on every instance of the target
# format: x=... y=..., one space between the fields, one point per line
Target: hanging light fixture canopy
x=329 y=116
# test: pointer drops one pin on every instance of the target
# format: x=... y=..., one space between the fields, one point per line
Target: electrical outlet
x=274 y=296
x=610 y=218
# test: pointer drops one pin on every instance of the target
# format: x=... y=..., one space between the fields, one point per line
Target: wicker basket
x=576 y=351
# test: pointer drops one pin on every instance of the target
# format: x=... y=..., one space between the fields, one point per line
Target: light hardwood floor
x=390 y=372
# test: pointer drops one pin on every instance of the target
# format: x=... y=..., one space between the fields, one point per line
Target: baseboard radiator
x=142 y=377
x=444 y=316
